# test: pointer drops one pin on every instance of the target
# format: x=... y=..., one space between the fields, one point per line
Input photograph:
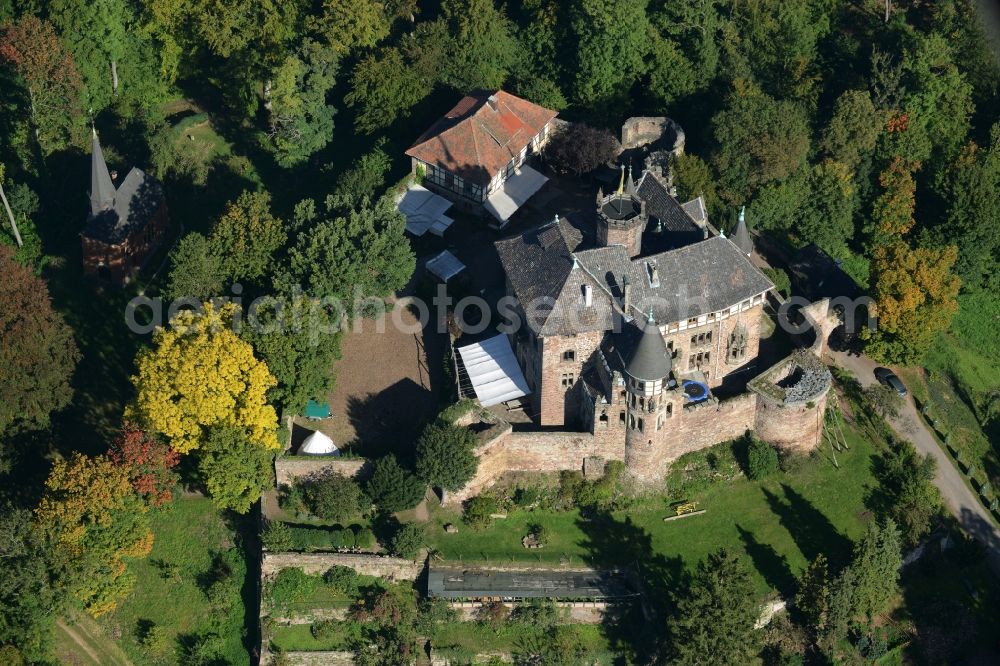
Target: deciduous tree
x=853 y=129
x=580 y=148
x=234 y=468
x=38 y=353
x=28 y=599
x=94 y=521
x=916 y=297
x=351 y=24
x=199 y=374
x=360 y=253
x=299 y=340
x=383 y=89
x=149 y=463
x=247 y=236
x=760 y=140
x=301 y=120
x=906 y=491
x=332 y=496
x=196 y=271
x=892 y=214
x=49 y=73
x=482 y=49
x=609 y=48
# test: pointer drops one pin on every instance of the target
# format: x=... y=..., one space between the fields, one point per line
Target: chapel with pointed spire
x=125 y=223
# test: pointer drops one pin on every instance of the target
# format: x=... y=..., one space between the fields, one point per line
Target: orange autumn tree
x=915 y=289
x=149 y=463
x=95 y=522
x=892 y=216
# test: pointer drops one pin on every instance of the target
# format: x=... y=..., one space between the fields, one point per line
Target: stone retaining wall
x=286 y=469
x=391 y=568
x=329 y=658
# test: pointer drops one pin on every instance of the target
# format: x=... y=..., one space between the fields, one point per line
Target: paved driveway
x=961 y=501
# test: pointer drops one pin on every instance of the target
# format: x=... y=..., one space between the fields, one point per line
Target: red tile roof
x=475 y=140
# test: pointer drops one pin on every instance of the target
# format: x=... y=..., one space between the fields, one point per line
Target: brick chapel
x=126 y=222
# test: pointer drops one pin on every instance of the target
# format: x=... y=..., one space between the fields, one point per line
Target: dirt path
x=87 y=636
x=960 y=500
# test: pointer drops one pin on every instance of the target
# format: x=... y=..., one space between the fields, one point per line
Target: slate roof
x=459 y=583
x=476 y=141
x=136 y=200
x=644 y=353
x=741 y=237
x=102 y=190
x=663 y=207
x=696 y=210
x=707 y=276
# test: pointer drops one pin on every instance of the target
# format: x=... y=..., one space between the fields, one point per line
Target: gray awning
x=445 y=266
x=424 y=211
x=515 y=193
x=493 y=371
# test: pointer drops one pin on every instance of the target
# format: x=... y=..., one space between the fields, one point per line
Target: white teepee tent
x=318 y=444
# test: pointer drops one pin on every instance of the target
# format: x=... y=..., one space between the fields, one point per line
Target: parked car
x=888 y=378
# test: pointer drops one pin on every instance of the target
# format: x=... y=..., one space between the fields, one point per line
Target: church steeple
x=102 y=189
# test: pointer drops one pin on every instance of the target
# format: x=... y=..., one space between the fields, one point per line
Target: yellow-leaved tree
x=199 y=374
x=94 y=520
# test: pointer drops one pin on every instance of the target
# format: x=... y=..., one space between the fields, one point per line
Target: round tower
x=647 y=372
x=621 y=217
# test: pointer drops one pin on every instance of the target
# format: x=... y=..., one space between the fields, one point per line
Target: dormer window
x=652 y=274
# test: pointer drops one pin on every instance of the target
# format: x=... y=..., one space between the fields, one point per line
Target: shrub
x=392 y=488
x=782 y=283
x=341 y=538
x=292 y=500
x=324 y=630
x=434 y=612
x=291 y=585
x=541 y=613
x=493 y=615
x=343 y=579
x=332 y=496
x=478 y=510
x=364 y=538
x=762 y=459
x=407 y=540
x=540 y=532
x=277 y=537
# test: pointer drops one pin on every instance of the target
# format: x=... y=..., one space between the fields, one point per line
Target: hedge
x=309 y=539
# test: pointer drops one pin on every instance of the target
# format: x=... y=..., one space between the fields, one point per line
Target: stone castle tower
x=647 y=374
x=622 y=217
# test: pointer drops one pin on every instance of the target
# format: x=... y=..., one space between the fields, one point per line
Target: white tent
x=318 y=444
x=515 y=193
x=493 y=371
x=445 y=266
x=424 y=211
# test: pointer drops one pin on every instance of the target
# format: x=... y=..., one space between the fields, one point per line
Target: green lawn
x=781 y=523
x=169 y=592
x=298 y=637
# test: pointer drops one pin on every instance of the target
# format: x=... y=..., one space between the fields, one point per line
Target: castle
x=643 y=344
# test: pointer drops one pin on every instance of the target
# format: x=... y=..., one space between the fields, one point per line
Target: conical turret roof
x=741 y=237
x=102 y=190
x=649 y=360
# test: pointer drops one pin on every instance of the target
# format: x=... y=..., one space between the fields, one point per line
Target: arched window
x=736 y=349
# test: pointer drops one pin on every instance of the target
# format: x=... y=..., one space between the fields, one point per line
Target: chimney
x=492 y=102
x=626 y=295
x=588 y=295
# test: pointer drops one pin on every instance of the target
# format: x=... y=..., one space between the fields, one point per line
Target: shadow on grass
x=772 y=566
x=811 y=530
x=388 y=421
x=635 y=629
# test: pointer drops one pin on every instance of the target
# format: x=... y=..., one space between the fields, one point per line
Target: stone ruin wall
x=791 y=427
x=643 y=130
x=551 y=451
x=287 y=469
